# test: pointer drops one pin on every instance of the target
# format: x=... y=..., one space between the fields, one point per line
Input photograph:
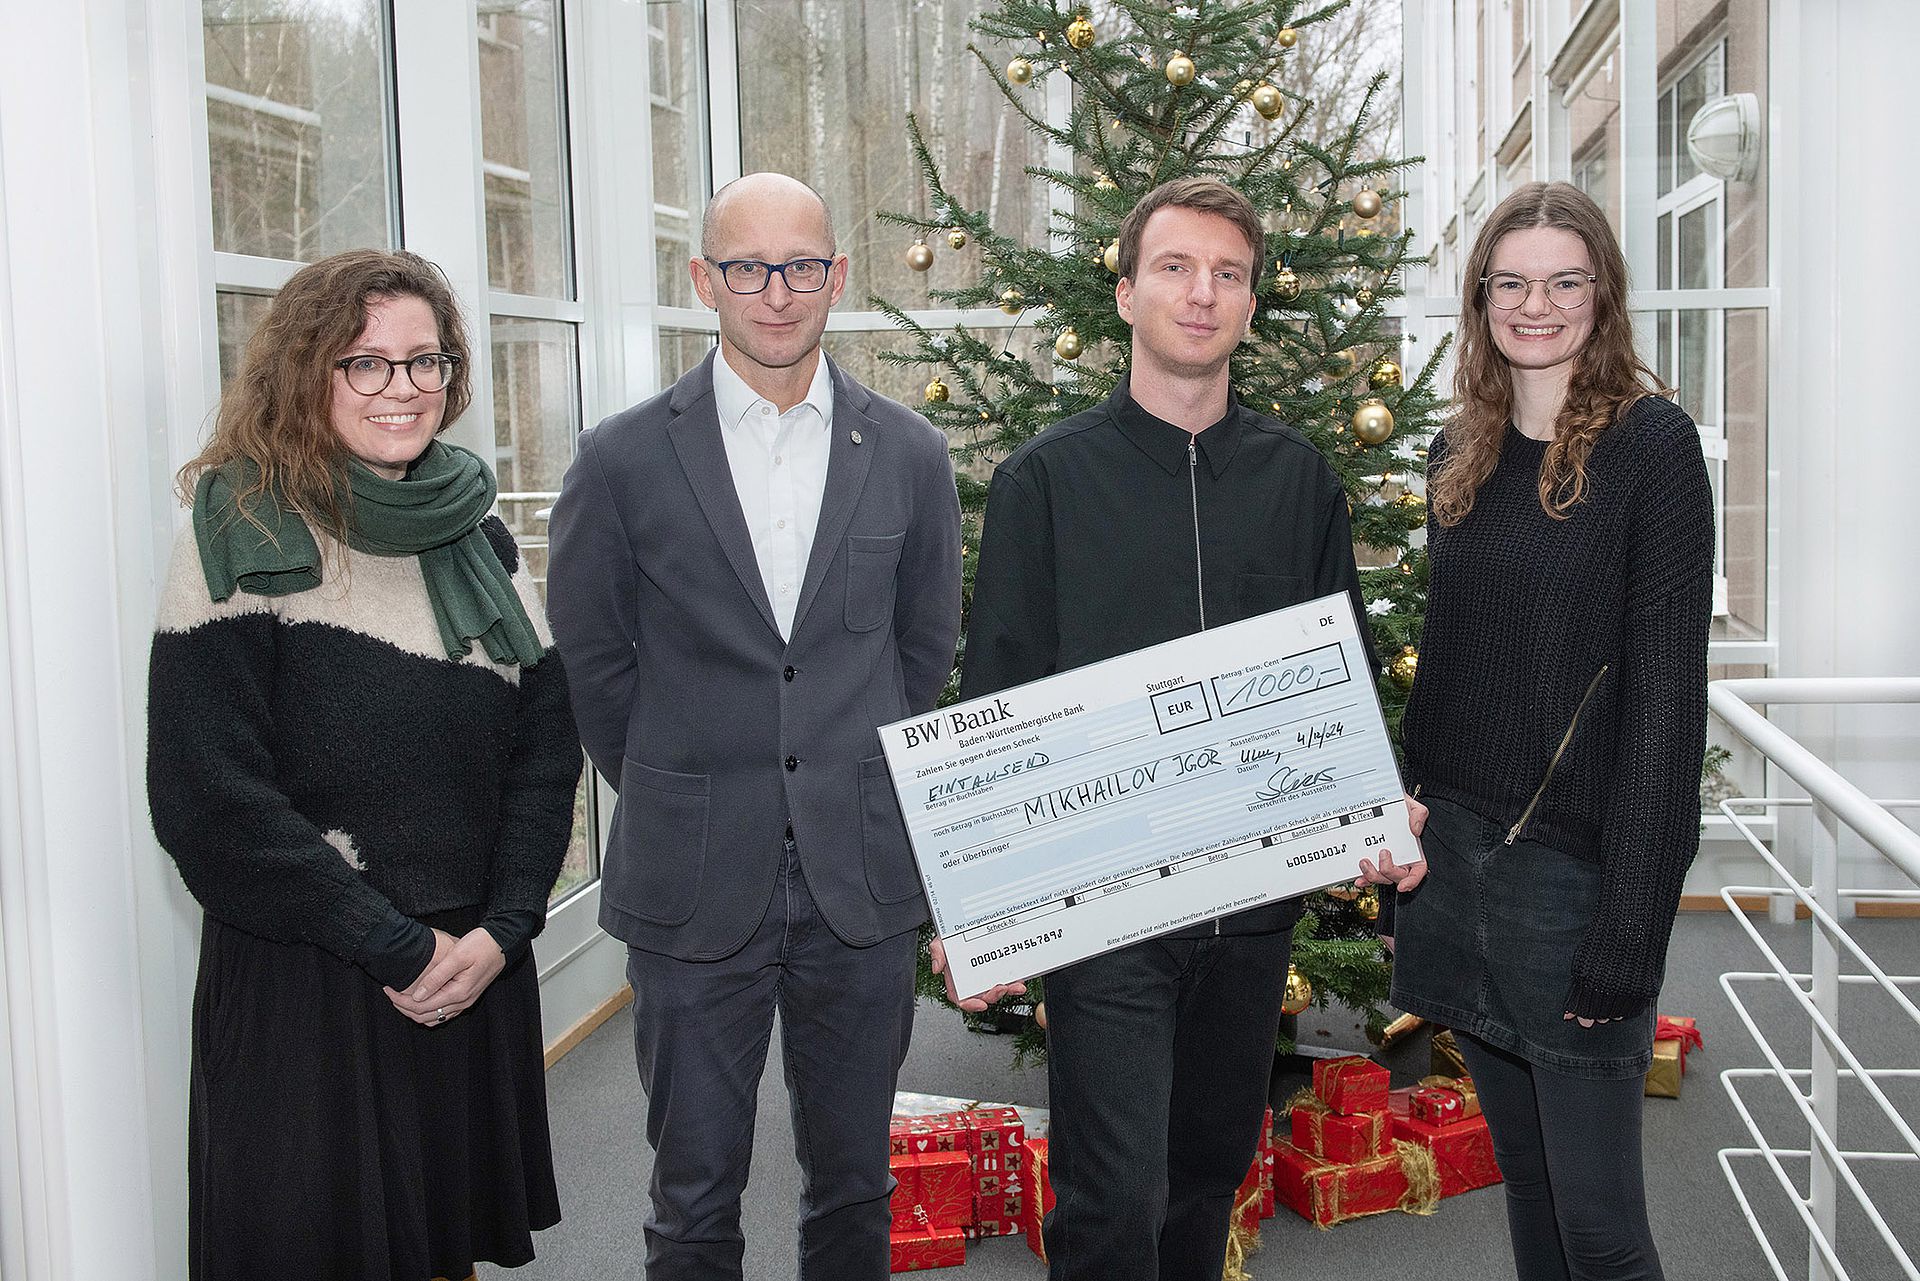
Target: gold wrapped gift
x=1663 y=1078
x=1447 y=1060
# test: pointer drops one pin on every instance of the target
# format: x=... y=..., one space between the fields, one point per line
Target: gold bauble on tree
x=1068 y=345
x=1287 y=38
x=1040 y=1015
x=1286 y=285
x=1267 y=100
x=1368 y=904
x=1385 y=375
x=1367 y=204
x=1112 y=257
x=1011 y=301
x=937 y=392
x=1372 y=422
x=920 y=255
x=1080 y=32
x=1105 y=183
x=1363 y=296
x=1180 y=70
x=956 y=239
x=1412 y=502
x=1403 y=667
x=1299 y=993
x=1019 y=71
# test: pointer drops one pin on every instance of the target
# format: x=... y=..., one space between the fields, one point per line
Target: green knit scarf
x=434 y=514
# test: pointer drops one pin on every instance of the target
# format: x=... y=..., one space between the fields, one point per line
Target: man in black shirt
x=1168 y=509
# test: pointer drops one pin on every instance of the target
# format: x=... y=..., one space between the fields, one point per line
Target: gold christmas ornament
x=1287 y=285
x=920 y=255
x=1385 y=375
x=1068 y=345
x=1363 y=296
x=1368 y=904
x=1180 y=70
x=1405 y=664
x=1011 y=301
x=1019 y=71
x=1367 y=204
x=1240 y=88
x=1080 y=32
x=1372 y=422
x=1299 y=993
x=1105 y=183
x=1411 y=502
x=1040 y=1015
x=1267 y=100
x=937 y=392
x=1112 y=257
x=956 y=239
x=1287 y=38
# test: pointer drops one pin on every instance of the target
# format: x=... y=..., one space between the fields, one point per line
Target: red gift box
x=928 y=1247
x=932 y=1189
x=1325 y=1193
x=1437 y=1106
x=1340 y=1139
x=1462 y=1151
x=1039 y=1195
x=1351 y=1086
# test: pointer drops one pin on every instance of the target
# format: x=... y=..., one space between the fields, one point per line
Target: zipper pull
x=1193 y=453
x=1513 y=833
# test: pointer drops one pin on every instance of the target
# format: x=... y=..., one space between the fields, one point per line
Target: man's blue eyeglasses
x=751 y=276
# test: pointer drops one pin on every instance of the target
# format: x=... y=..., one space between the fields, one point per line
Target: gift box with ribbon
x=918 y=1248
x=932 y=1189
x=1672 y=1038
x=1326 y=1192
x=1462 y=1151
x=989 y=1137
x=1319 y=1131
x=1350 y=1086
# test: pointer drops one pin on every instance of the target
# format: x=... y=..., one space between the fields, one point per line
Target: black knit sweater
x=321 y=772
x=1527 y=615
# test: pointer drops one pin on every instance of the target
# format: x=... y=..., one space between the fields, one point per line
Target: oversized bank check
x=1091 y=809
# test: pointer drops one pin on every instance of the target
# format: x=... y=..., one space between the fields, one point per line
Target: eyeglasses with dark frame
x=429 y=372
x=1564 y=289
x=751 y=276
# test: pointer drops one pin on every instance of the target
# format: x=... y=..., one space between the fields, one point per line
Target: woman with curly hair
x=1555 y=729
x=361 y=757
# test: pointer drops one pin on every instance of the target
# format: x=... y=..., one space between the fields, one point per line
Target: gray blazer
x=716 y=731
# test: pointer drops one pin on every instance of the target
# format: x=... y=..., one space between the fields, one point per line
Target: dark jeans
x=1158 y=1060
x=1569 y=1150
x=701 y=1030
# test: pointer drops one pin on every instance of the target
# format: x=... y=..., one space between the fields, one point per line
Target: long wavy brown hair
x=277 y=412
x=1608 y=377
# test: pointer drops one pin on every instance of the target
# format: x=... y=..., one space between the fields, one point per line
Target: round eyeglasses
x=369 y=375
x=1564 y=289
x=751 y=276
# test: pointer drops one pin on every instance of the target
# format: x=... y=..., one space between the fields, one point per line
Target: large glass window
x=299 y=112
x=523 y=137
x=676 y=58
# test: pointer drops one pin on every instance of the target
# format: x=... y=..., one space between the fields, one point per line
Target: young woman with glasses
x=362 y=758
x=1555 y=730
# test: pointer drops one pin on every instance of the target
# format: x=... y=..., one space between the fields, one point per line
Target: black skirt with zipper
x=1486 y=945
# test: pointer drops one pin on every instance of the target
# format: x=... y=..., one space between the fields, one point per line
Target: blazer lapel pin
x=855 y=435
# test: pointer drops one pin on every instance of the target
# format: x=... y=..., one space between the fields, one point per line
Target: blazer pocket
x=1264 y=593
x=873 y=561
x=892 y=876
x=662 y=844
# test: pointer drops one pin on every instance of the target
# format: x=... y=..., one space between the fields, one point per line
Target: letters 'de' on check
x=1098 y=807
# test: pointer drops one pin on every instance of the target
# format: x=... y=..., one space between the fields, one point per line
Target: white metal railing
x=1815 y=1090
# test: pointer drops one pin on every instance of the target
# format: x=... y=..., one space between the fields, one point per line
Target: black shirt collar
x=1166 y=444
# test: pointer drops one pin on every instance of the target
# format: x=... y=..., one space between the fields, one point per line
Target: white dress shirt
x=779 y=464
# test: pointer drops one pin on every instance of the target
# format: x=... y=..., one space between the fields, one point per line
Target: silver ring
x=440 y=1015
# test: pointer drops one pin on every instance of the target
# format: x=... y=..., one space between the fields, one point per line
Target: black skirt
x=332 y=1137
x=1486 y=945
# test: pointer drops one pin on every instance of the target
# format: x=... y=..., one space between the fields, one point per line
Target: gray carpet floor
x=604 y=1163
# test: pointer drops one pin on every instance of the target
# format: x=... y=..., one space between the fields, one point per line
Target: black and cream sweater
x=322 y=772
x=1591 y=630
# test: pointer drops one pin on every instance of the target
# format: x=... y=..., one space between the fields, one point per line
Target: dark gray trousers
x=1158 y=1059
x=701 y=1030
x=1569 y=1152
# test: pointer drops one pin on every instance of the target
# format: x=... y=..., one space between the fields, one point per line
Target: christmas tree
x=1226 y=89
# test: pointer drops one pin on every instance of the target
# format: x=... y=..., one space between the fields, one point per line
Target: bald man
x=749 y=573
